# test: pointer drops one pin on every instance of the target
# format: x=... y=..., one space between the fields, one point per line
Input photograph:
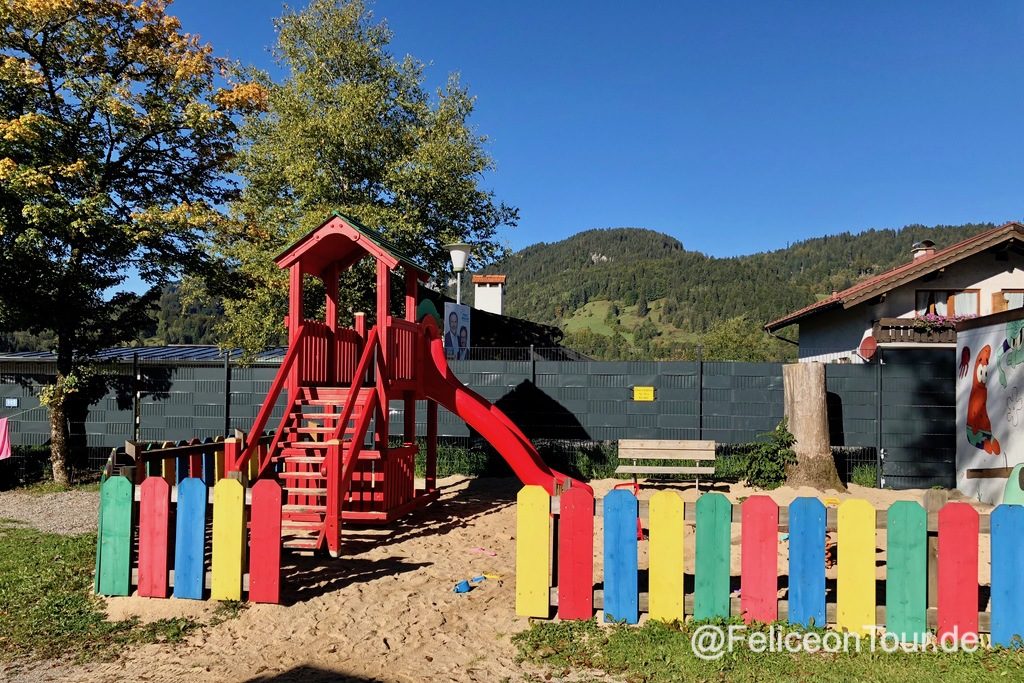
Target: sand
x=385 y=611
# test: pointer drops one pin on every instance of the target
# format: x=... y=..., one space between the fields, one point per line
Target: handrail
x=138 y=450
x=268 y=403
x=357 y=384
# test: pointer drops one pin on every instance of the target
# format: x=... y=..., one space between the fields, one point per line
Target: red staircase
x=302 y=459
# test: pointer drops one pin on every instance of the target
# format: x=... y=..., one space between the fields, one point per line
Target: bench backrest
x=644 y=449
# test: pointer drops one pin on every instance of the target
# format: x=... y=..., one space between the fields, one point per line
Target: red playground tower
x=331 y=449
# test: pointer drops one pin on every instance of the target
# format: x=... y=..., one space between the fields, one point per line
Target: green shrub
x=767 y=460
x=864 y=475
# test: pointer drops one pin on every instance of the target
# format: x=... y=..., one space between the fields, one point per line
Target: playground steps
x=300 y=457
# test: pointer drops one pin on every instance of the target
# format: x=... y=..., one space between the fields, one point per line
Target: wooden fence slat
x=807 y=562
x=190 y=540
x=228 y=557
x=711 y=583
x=958 y=571
x=116 y=499
x=855 y=587
x=906 y=603
x=759 y=560
x=1007 y=564
x=154 y=541
x=195 y=461
x=576 y=555
x=181 y=468
x=665 y=575
x=533 y=551
x=265 y=543
x=253 y=468
x=169 y=471
x=621 y=592
x=210 y=469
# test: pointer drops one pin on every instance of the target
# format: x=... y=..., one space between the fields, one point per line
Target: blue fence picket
x=1007 y=587
x=190 y=538
x=807 y=562
x=621 y=597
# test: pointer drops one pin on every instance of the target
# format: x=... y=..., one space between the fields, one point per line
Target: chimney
x=488 y=291
x=922 y=249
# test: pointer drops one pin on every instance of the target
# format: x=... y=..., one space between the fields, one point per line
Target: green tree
x=352 y=129
x=740 y=339
x=642 y=307
x=112 y=142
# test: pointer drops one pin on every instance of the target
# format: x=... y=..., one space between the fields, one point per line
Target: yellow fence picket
x=228 y=540
x=666 y=556
x=533 y=552
x=855 y=600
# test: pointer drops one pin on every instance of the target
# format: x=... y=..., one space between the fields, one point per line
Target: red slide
x=441 y=385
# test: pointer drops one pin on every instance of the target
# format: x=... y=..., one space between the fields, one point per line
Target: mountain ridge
x=636 y=292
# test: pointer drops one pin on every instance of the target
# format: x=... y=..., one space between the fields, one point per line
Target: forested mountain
x=636 y=293
x=170 y=322
x=627 y=292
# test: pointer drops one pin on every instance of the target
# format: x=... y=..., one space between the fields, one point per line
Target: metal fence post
x=879 y=453
x=227 y=392
x=533 y=366
x=700 y=392
x=136 y=398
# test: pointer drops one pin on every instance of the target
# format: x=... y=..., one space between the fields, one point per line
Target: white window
x=1014 y=298
x=945 y=302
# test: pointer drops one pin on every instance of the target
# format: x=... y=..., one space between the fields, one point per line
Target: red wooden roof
x=919 y=267
x=343 y=240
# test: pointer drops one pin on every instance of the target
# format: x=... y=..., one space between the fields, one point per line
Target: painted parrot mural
x=979 y=426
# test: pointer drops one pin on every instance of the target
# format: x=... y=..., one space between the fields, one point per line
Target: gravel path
x=70 y=512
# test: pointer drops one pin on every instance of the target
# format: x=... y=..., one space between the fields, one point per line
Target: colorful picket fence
x=555 y=540
x=195 y=539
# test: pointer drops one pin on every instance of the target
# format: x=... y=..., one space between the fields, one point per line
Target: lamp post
x=460 y=255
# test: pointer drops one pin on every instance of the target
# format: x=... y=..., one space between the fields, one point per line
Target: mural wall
x=990 y=403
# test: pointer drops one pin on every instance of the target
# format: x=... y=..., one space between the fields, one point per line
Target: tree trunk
x=59 y=438
x=807 y=416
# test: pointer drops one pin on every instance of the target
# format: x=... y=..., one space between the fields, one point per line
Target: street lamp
x=460 y=255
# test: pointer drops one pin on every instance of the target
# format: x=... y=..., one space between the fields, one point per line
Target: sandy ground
x=385 y=611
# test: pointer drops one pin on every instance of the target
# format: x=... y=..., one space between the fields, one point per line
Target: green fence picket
x=906 y=572
x=116 y=536
x=711 y=584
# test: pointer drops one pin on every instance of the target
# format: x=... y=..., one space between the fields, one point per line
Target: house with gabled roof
x=917 y=304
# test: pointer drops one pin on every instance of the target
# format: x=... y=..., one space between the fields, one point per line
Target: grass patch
x=656 y=653
x=48 y=486
x=47 y=608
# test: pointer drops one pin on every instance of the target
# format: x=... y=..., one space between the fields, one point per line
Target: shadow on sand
x=305 y=577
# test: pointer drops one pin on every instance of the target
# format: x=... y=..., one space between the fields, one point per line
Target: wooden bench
x=638 y=451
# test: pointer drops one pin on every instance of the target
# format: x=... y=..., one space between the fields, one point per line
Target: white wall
x=487 y=297
x=838 y=332
x=1002 y=388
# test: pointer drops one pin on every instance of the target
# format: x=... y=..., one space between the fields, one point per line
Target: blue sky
x=735 y=127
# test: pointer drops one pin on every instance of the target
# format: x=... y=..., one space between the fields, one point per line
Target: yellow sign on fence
x=643 y=393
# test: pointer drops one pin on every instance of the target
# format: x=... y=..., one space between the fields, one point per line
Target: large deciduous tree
x=351 y=129
x=113 y=140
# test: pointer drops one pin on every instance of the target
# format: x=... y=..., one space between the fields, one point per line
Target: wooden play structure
x=931 y=563
x=332 y=453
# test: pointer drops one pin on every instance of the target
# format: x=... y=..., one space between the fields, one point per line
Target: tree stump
x=807 y=417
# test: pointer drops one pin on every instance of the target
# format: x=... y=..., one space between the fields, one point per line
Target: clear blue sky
x=735 y=127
